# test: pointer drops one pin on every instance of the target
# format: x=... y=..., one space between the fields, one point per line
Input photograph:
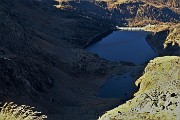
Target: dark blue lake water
x=128 y=46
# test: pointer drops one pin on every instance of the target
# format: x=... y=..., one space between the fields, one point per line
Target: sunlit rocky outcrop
x=158 y=96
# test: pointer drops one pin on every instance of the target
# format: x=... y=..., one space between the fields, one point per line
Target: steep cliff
x=166 y=41
x=158 y=96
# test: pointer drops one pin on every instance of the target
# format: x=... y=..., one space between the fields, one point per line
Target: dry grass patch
x=11 y=111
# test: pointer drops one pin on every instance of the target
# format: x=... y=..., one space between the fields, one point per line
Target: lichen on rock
x=158 y=97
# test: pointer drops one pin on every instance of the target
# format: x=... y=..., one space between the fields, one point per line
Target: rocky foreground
x=158 y=97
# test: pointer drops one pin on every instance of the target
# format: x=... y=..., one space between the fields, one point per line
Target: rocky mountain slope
x=158 y=96
x=138 y=12
x=40 y=47
x=169 y=3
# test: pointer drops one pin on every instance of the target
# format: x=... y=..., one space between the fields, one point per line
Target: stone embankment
x=145 y=28
x=131 y=28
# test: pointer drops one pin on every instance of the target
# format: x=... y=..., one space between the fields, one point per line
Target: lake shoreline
x=127 y=45
x=99 y=37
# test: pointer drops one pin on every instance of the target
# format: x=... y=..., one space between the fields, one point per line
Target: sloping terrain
x=158 y=96
x=169 y=3
x=128 y=12
x=39 y=41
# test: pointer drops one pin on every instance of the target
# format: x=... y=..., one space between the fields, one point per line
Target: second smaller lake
x=119 y=86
